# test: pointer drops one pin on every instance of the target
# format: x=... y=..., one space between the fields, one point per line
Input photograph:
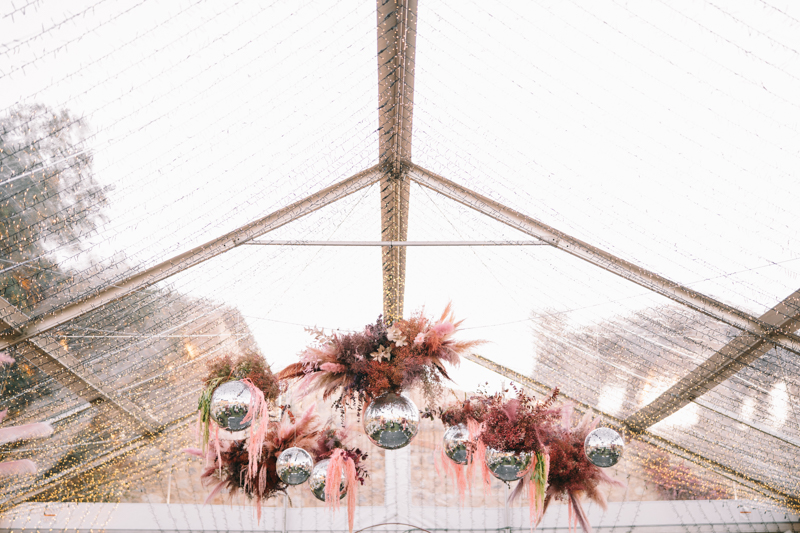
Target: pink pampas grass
x=340 y=462
x=37 y=430
x=6 y=359
x=16 y=468
x=258 y=414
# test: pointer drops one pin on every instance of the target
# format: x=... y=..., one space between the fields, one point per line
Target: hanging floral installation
x=235 y=466
x=380 y=359
x=572 y=474
x=518 y=426
x=252 y=370
x=332 y=444
x=232 y=465
x=518 y=438
x=509 y=435
x=462 y=451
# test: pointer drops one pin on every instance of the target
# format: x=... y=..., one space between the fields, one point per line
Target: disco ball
x=319 y=476
x=229 y=405
x=507 y=466
x=391 y=421
x=456 y=443
x=603 y=447
x=294 y=466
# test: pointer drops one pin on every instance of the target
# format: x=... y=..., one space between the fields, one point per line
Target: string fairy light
x=210 y=117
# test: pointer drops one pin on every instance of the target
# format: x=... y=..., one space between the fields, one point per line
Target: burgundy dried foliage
x=305 y=431
x=570 y=469
x=332 y=438
x=248 y=365
x=234 y=473
x=518 y=424
x=475 y=407
x=359 y=367
x=571 y=474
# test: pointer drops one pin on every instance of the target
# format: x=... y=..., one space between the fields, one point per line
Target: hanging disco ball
x=391 y=421
x=603 y=447
x=294 y=466
x=456 y=443
x=319 y=476
x=229 y=405
x=507 y=466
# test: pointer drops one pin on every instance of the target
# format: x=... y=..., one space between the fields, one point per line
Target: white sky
x=664 y=132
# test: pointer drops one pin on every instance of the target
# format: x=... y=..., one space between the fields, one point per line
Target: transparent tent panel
x=614 y=355
x=663 y=134
x=227 y=126
x=737 y=447
x=610 y=123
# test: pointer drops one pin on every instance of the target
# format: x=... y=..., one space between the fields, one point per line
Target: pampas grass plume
x=37 y=430
x=16 y=468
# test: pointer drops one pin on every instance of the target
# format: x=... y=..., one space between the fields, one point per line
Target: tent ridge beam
x=396 y=46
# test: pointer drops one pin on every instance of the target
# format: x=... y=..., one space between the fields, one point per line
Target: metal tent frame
x=396 y=43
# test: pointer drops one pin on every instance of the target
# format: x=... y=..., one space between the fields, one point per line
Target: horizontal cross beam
x=396 y=243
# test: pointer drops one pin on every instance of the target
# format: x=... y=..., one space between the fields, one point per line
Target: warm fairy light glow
x=652 y=389
x=190 y=350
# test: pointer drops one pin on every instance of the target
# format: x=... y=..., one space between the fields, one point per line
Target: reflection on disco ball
x=507 y=466
x=456 y=442
x=603 y=447
x=294 y=466
x=391 y=421
x=229 y=405
x=319 y=476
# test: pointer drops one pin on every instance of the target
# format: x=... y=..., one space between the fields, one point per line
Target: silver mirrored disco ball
x=391 y=421
x=603 y=447
x=229 y=405
x=456 y=442
x=319 y=476
x=294 y=466
x=507 y=466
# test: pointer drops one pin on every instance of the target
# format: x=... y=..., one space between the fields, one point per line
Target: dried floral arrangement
x=233 y=465
x=517 y=424
x=520 y=424
x=364 y=365
x=252 y=370
x=469 y=412
x=332 y=444
x=571 y=473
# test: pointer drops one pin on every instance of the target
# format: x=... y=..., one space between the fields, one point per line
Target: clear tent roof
x=663 y=133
